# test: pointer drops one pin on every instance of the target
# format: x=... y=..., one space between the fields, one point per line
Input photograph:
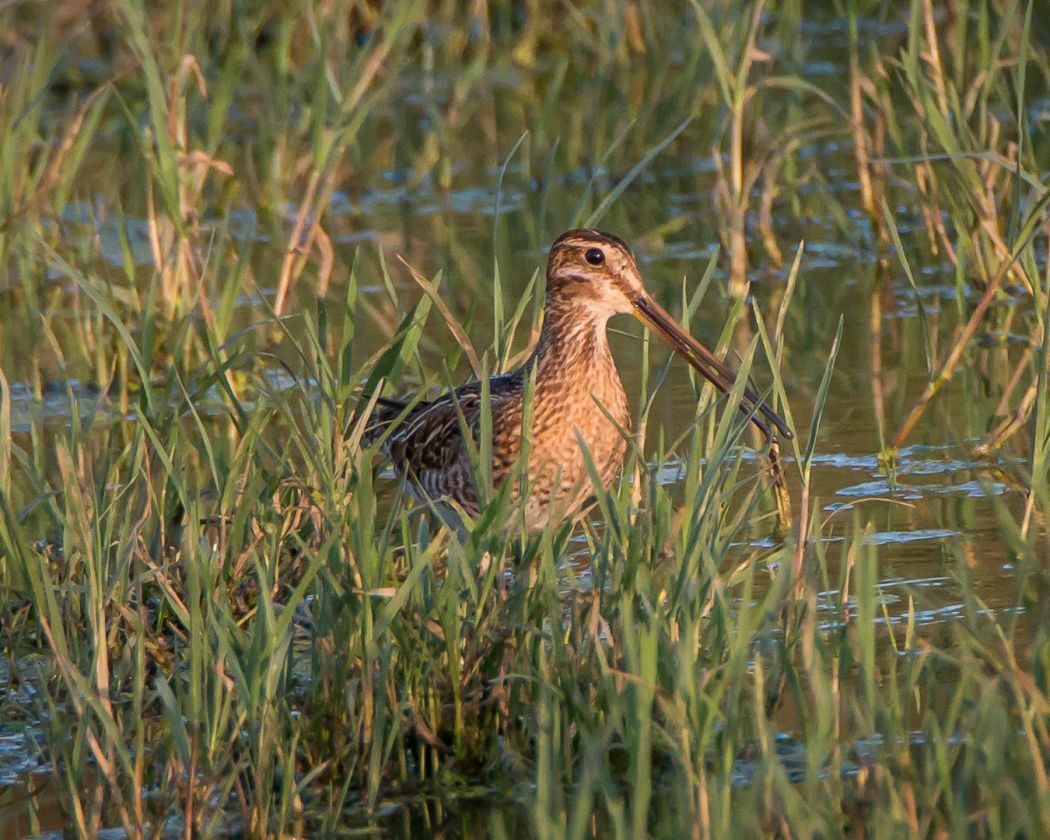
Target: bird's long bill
x=658 y=319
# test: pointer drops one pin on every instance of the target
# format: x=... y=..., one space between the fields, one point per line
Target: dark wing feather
x=386 y=411
x=428 y=449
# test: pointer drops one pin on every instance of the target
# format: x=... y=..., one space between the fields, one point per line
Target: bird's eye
x=595 y=256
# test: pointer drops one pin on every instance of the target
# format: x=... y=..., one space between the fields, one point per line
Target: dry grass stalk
x=954 y=355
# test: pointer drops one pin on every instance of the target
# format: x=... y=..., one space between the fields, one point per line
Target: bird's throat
x=573 y=339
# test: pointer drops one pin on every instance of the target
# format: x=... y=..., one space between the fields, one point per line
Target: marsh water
x=932 y=511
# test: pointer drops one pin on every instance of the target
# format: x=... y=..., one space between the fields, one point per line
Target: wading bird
x=578 y=402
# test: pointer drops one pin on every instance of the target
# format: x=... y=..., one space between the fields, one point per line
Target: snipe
x=578 y=400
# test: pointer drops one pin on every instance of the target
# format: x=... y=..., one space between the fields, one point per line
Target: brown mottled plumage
x=578 y=399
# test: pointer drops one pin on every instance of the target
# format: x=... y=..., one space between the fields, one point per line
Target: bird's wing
x=428 y=446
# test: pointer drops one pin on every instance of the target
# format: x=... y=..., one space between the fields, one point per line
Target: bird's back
x=428 y=448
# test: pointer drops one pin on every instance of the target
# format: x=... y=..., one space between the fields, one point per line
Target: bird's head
x=594 y=270
x=598 y=273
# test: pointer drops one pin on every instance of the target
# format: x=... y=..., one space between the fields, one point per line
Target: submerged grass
x=217 y=620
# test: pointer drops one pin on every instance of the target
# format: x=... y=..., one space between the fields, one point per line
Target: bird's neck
x=572 y=339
